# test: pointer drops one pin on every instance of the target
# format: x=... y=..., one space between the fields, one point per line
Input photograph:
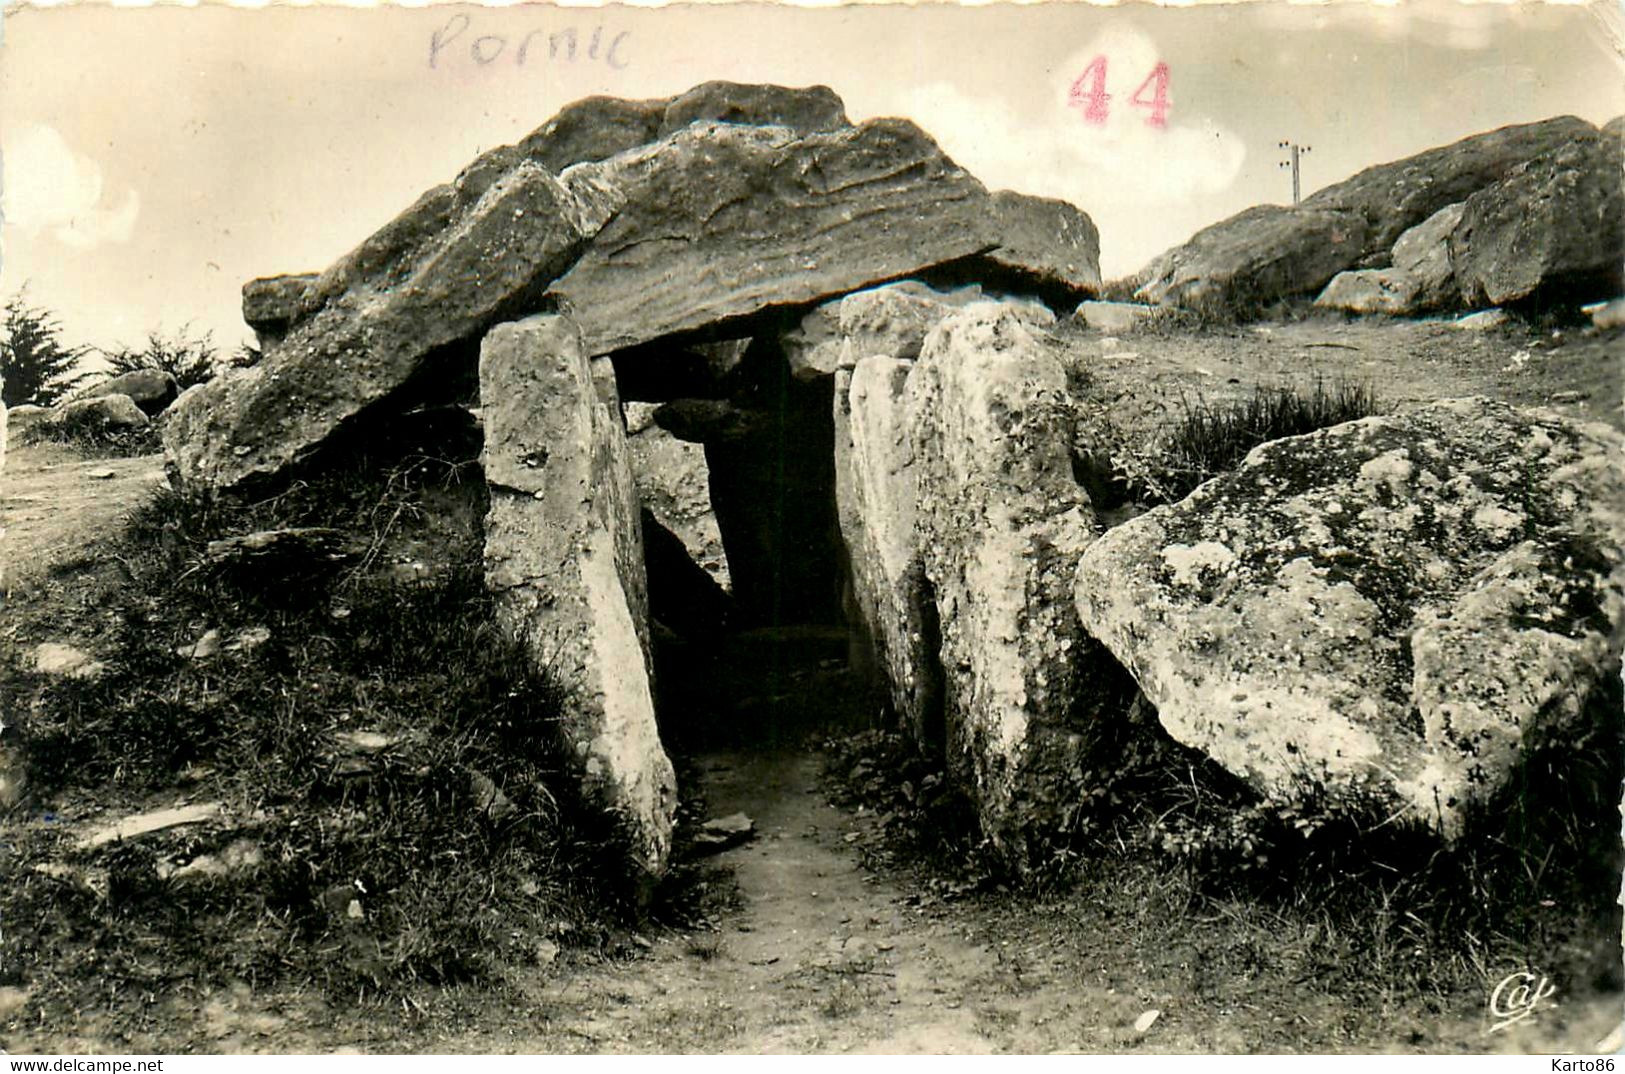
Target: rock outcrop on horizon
x=1557 y=224
x=1380 y=617
x=1269 y=252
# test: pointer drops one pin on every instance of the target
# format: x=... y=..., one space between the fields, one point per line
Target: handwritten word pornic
x=456 y=42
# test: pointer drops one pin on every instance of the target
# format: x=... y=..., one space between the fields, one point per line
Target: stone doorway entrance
x=740 y=454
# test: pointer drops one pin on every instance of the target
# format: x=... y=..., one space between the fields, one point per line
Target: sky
x=154 y=159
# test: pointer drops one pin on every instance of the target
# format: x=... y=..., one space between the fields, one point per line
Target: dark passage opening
x=767 y=663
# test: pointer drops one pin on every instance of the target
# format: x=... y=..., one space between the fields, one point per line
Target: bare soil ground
x=814 y=938
x=1575 y=370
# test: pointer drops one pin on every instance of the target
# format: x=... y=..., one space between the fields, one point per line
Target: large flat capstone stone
x=718 y=223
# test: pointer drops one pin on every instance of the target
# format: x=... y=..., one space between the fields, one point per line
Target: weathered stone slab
x=563 y=555
x=1399 y=195
x=150 y=389
x=1554 y=227
x=140 y=824
x=890 y=320
x=592 y=129
x=674 y=483
x=719 y=223
x=1378 y=617
x=805 y=111
x=255 y=423
x=1050 y=245
x=1384 y=290
x=1001 y=524
x=272 y=303
x=1254 y=258
x=1423 y=253
x=876 y=503
x=101 y=413
x=1113 y=318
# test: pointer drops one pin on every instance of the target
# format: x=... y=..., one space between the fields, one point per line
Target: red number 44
x=1089 y=91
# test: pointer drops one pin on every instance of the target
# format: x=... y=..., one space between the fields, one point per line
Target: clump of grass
x=1211 y=438
x=460 y=843
x=95 y=439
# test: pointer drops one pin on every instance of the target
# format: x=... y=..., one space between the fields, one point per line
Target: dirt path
x=53 y=501
x=824 y=956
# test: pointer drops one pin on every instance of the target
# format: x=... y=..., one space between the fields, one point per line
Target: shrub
x=189 y=361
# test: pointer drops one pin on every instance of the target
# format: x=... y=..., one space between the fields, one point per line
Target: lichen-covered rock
x=718 y=223
x=100 y=414
x=1555 y=226
x=393 y=317
x=1423 y=253
x=272 y=303
x=876 y=502
x=564 y=558
x=1255 y=257
x=1378 y=616
x=1000 y=524
x=1384 y=290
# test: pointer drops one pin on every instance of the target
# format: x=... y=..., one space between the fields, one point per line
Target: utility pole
x=1296 y=151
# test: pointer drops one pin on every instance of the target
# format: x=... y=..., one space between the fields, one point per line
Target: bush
x=189 y=361
x=35 y=365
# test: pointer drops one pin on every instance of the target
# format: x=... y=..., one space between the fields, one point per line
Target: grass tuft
x=1207 y=439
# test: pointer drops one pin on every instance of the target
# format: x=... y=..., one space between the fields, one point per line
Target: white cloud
x=1138 y=181
x=50 y=187
x=1057 y=150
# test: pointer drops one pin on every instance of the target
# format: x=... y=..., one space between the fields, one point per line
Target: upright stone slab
x=876 y=501
x=564 y=556
x=1001 y=523
x=1423 y=253
x=390 y=321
